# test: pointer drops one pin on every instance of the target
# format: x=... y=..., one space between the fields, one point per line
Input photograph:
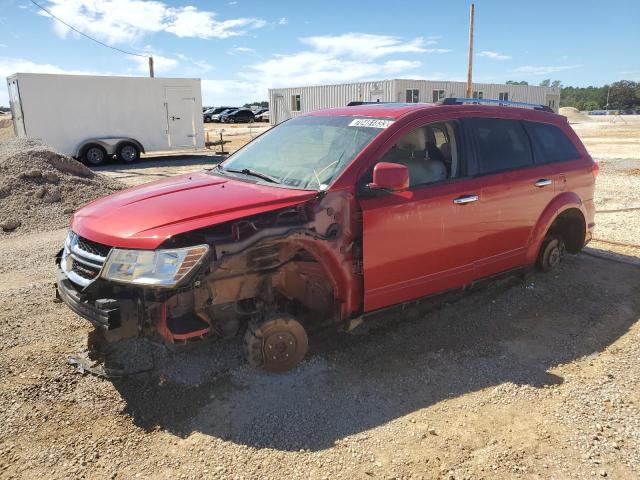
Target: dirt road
x=526 y=378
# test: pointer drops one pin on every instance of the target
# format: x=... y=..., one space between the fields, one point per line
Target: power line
x=84 y=34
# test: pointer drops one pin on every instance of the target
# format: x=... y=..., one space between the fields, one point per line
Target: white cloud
x=161 y=64
x=126 y=21
x=283 y=21
x=339 y=58
x=364 y=45
x=9 y=66
x=191 y=22
x=241 y=50
x=232 y=92
x=530 y=70
x=493 y=55
x=3 y=45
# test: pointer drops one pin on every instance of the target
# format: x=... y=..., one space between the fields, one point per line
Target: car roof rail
x=358 y=103
x=491 y=101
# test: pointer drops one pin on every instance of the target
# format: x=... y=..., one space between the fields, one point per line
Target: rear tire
x=128 y=153
x=276 y=344
x=94 y=155
x=551 y=253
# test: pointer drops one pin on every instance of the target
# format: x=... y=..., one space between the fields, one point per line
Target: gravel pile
x=40 y=188
x=574 y=115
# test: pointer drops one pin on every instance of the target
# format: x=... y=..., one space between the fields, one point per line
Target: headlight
x=164 y=268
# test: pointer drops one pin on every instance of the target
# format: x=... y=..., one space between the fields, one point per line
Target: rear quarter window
x=552 y=145
x=501 y=144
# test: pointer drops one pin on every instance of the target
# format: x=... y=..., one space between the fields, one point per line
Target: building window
x=503 y=96
x=552 y=104
x=438 y=95
x=478 y=94
x=413 y=95
x=295 y=103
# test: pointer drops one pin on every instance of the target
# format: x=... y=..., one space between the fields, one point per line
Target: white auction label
x=370 y=122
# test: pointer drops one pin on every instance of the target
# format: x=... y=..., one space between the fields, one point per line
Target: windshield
x=305 y=152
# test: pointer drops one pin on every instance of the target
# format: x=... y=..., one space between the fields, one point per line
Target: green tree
x=545 y=83
x=263 y=104
x=622 y=94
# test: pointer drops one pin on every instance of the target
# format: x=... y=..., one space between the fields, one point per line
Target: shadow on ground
x=164 y=161
x=511 y=331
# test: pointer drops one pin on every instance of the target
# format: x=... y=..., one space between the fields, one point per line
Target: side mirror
x=391 y=177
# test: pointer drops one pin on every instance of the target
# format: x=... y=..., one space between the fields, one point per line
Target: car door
x=419 y=241
x=514 y=192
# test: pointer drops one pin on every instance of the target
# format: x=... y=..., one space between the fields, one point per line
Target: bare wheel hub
x=279 y=347
x=553 y=253
x=276 y=344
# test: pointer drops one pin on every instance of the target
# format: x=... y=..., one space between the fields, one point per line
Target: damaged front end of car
x=271 y=277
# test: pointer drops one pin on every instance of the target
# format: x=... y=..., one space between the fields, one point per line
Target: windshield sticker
x=370 y=122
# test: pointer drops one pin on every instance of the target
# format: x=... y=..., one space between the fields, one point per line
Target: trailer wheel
x=94 y=155
x=276 y=344
x=128 y=153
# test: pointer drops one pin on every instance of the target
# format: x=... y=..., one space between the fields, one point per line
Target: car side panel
x=509 y=207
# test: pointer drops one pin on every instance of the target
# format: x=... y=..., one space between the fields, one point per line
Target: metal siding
x=329 y=96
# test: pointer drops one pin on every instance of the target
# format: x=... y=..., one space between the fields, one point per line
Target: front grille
x=93 y=247
x=82 y=259
x=85 y=271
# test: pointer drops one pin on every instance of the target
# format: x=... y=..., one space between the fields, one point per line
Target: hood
x=145 y=216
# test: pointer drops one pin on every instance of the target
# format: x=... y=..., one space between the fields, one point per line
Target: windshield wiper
x=246 y=171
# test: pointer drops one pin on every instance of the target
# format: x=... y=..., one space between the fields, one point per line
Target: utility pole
x=470 y=66
x=151 y=66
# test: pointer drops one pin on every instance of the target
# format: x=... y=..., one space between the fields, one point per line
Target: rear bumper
x=102 y=313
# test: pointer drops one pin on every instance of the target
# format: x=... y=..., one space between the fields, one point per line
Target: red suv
x=329 y=218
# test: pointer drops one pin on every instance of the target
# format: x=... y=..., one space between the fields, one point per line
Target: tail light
x=595 y=168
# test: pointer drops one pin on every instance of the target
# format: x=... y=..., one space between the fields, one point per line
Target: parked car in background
x=239 y=116
x=208 y=115
x=263 y=117
x=217 y=117
x=332 y=218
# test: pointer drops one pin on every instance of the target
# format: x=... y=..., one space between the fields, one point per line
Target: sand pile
x=40 y=189
x=574 y=115
x=6 y=127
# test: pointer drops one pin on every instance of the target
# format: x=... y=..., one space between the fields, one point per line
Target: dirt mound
x=40 y=189
x=574 y=115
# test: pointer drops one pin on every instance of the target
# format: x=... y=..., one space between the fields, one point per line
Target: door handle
x=543 y=182
x=175 y=118
x=465 y=199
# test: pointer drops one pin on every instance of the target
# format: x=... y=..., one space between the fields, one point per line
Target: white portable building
x=285 y=103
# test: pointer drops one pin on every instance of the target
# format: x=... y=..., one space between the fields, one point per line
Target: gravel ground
x=40 y=188
x=526 y=378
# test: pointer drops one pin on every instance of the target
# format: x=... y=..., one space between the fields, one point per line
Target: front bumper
x=103 y=313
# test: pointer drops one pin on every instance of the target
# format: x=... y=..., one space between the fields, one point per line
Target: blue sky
x=240 y=48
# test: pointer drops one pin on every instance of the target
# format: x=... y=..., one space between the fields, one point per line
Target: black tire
x=276 y=344
x=551 y=253
x=128 y=153
x=94 y=155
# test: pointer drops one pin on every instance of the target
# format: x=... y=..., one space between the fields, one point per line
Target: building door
x=16 y=108
x=376 y=96
x=181 y=128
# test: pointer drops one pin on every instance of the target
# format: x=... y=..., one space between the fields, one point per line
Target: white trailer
x=96 y=117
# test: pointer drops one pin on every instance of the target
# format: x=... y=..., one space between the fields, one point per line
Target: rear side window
x=551 y=142
x=502 y=144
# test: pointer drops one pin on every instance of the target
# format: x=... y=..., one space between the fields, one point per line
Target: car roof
x=398 y=110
